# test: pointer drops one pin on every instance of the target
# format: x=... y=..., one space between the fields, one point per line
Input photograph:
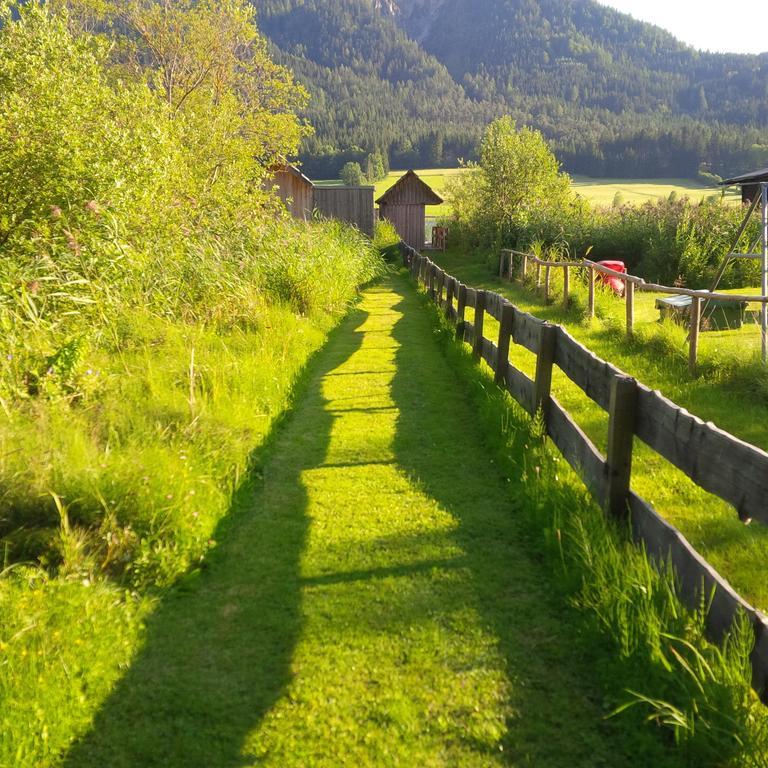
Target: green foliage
x=612 y=95
x=387 y=240
x=672 y=241
x=516 y=182
x=139 y=247
x=352 y=174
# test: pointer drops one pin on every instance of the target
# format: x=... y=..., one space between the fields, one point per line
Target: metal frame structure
x=756 y=184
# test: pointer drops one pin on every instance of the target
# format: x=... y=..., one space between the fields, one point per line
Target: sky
x=735 y=27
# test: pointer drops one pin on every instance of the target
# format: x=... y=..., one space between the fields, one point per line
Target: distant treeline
x=613 y=97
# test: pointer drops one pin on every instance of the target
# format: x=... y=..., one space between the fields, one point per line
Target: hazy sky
x=738 y=26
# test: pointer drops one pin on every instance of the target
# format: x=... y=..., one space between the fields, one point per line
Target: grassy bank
x=730 y=391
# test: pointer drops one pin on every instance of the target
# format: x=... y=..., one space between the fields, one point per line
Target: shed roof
x=292 y=169
x=410 y=190
x=748 y=178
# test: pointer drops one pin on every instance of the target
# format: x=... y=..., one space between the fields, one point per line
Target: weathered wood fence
x=715 y=460
x=515 y=264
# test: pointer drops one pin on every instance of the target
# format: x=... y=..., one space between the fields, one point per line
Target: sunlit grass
x=730 y=391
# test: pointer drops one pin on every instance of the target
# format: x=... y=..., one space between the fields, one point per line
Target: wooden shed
x=405 y=206
x=749 y=183
x=294 y=189
x=351 y=204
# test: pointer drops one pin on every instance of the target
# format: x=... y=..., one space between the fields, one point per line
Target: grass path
x=372 y=601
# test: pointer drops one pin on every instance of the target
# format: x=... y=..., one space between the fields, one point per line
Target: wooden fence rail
x=715 y=460
x=514 y=264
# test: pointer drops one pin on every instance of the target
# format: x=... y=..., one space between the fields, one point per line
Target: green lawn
x=597 y=191
x=375 y=599
x=636 y=191
x=730 y=392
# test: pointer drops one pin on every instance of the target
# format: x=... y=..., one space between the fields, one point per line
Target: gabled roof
x=292 y=169
x=410 y=190
x=747 y=178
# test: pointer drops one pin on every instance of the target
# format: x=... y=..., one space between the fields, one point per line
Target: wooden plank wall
x=295 y=193
x=715 y=460
x=409 y=221
x=351 y=204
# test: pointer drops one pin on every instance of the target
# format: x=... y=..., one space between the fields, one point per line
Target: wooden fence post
x=629 y=297
x=693 y=334
x=449 y=298
x=622 y=415
x=440 y=285
x=477 y=346
x=524 y=268
x=511 y=267
x=591 y=292
x=501 y=261
x=538 y=276
x=566 y=285
x=432 y=278
x=423 y=270
x=505 y=333
x=461 y=308
x=544 y=362
x=546 y=283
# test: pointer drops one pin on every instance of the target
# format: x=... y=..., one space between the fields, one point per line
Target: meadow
x=595 y=191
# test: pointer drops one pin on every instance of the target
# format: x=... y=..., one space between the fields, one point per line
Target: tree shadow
x=217 y=651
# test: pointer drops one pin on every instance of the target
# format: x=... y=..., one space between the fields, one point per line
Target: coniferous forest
x=417 y=80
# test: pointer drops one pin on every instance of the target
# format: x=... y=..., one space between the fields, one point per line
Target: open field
x=731 y=391
x=597 y=191
x=603 y=191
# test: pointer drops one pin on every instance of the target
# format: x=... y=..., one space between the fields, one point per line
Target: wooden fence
x=514 y=264
x=715 y=460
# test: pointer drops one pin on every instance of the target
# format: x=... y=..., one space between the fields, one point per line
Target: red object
x=616 y=284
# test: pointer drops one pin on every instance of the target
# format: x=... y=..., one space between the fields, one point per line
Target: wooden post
x=591 y=292
x=477 y=346
x=546 y=283
x=511 y=267
x=538 y=276
x=622 y=415
x=461 y=308
x=432 y=279
x=544 y=362
x=423 y=270
x=629 y=297
x=524 y=268
x=440 y=284
x=501 y=262
x=693 y=334
x=505 y=333
x=449 y=298
x=566 y=285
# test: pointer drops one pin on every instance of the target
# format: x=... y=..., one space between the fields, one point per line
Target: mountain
x=417 y=80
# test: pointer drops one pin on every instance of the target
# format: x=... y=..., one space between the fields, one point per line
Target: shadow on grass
x=557 y=705
x=218 y=649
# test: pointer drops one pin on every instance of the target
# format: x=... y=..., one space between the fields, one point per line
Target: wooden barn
x=405 y=206
x=294 y=189
x=351 y=204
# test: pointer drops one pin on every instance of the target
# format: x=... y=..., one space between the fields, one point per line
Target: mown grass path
x=373 y=602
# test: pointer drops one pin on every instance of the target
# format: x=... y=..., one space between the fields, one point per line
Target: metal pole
x=764 y=284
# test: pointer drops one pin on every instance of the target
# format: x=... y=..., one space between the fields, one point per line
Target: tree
x=352 y=174
x=518 y=179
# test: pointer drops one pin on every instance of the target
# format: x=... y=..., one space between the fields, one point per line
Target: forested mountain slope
x=417 y=79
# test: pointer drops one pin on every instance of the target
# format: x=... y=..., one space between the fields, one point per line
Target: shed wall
x=351 y=204
x=295 y=193
x=408 y=220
